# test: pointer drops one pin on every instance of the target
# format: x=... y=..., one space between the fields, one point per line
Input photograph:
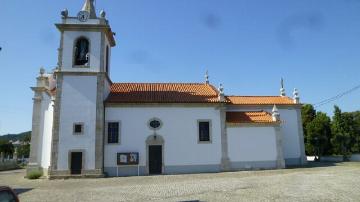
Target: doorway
x=155 y=159
x=76 y=163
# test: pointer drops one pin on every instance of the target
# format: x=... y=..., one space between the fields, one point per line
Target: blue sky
x=246 y=45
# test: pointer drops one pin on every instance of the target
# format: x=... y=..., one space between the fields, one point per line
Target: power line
x=332 y=99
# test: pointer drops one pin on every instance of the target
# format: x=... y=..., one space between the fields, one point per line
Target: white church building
x=86 y=125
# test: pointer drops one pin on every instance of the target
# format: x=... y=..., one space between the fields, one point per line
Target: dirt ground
x=317 y=182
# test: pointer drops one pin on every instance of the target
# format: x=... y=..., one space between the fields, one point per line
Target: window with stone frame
x=204 y=131
x=82 y=52
x=113 y=131
x=78 y=128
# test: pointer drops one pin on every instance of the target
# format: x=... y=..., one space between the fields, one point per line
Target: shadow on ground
x=19 y=191
x=313 y=164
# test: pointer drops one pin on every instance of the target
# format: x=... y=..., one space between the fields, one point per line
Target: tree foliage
x=6 y=148
x=343 y=130
x=325 y=136
x=319 y=135
x=308 y=114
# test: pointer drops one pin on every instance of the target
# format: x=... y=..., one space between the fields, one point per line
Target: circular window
x=154 y=123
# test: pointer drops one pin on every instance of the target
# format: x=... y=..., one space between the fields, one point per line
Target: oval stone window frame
x=152 y=120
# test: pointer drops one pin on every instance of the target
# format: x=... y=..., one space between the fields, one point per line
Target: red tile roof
x=260 y=100
x=162 y=93
x=183 y=93
x=249 y=117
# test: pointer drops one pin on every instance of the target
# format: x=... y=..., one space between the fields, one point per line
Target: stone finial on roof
x=42 y=71
x=89 y=7
x=221 y=93
x=207 y=77
x=65 y=13
x=282 y=89
x=102 y=14
x=296 y=96
x=275 y=114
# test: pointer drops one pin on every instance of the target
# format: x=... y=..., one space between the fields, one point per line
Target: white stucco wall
x=78 y=104
x=68 y=50
x=179 y=130
x=289 y=127
x=290 y=131
x=45 y=140
x=251 y=144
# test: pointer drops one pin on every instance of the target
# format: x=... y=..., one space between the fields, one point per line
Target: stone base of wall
x=33 y=167
x=355 y=157
x=294 y=161
x=253 y=165
x=66 y=174
x=331 y=158
x=124 y=171
x=8 y=165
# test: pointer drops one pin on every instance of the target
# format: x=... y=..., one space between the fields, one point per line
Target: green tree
x=343 y=132
x=319 y=135
x=308 y=113
x=356 y=116
x=6 y=148
x=24 y=149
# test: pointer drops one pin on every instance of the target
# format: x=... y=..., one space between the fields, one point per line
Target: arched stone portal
x=155 y=154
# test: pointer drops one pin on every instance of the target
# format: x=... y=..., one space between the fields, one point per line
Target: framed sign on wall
x=129 y=158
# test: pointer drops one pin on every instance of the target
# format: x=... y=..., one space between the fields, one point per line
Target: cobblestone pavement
x=318 y=182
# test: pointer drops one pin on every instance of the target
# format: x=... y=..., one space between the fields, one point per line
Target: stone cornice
x=39 y=89
x=124 y=105
x=89 y=27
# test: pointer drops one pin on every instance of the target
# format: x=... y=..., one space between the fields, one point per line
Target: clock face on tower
x=83 y=16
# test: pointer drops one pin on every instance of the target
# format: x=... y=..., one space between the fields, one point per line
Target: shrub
x=32 y=175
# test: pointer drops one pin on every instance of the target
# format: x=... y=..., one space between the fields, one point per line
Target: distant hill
x=15 y=137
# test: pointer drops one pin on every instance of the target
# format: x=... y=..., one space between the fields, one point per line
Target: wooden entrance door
x=155 y=159
x=76 y=163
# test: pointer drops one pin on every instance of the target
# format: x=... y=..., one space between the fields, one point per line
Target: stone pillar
x=2 y=157
x=41 y=87
x=100 y=122
x=303 y=158
x=280 y=161
x=56 y=124
x=225 y=161
x=33 y=158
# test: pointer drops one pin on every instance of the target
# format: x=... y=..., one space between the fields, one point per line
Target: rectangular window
x=78 y=128
x=204 y=131
x=113 y=132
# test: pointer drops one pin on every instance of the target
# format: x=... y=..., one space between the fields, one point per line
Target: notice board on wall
x=129 y=158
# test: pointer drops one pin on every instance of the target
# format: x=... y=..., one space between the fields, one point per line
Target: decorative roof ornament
x=282 y=89
x=42 y=71
x=221 y=93
x=90 y=8
x=65 y=13
x=207 y=77
x=102 y=14
x=275 y=114
x=296 y=96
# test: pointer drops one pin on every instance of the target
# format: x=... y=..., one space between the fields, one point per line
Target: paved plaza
x=317 y=182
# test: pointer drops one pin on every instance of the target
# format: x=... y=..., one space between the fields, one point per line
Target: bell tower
x=83 y=82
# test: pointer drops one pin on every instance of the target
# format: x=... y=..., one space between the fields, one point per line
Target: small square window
x=204 y=131
x=78 y=128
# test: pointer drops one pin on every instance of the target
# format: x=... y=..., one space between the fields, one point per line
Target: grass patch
x=36 y=174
